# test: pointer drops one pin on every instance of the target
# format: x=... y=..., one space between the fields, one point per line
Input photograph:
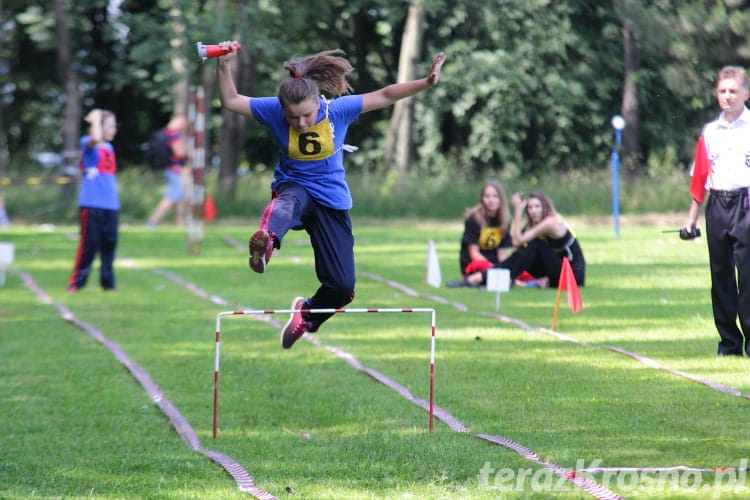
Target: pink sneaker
x=261 y=249
x=296 y=326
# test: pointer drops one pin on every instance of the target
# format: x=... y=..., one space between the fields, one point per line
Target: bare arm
x=692 y=218
x=231 y=100
x=519 y=205
x=474 y=253
x=94 y=119
x=179 y=148
x=546 y=227
x=552 y=226
x=388 y=95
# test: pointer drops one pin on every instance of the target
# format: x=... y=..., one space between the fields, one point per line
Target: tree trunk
x=398 y=147
x=179 y=63
x=70 y=80
x=4 y=154
x=631 y=151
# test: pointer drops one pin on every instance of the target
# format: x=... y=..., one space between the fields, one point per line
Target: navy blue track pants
x=98 y=236
x=330 y=230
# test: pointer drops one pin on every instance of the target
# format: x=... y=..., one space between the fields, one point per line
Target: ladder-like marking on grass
x=566 y=338
x=517 y=447
x=241 y=477
x=593 y=488
x=572 y=475
x=585 y=483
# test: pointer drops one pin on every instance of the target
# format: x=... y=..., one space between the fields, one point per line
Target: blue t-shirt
x=315 y=159
x=101 y=191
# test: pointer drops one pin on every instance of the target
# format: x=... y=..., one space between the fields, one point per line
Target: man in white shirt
x=722 y=166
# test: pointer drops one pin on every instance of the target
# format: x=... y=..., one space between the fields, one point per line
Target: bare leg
x=179 y=208
x=4 y=221
x=160 y=211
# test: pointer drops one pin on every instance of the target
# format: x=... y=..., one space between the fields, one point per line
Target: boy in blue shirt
x=98 y=201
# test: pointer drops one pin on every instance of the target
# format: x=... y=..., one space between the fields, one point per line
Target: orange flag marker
x=209 y=209
x=567 y=283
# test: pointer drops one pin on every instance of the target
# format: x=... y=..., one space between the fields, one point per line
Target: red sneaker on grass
x=296 y=326
x=261 y=249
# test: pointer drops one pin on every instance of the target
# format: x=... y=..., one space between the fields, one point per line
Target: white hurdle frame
x=256 y=312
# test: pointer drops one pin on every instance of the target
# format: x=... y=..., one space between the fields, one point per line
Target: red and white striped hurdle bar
x=256 y=312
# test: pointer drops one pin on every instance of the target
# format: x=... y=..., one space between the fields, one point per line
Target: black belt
x=734 y=193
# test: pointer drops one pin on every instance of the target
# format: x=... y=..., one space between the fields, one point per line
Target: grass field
x=631 y=383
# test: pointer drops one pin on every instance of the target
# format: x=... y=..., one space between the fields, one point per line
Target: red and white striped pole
x=191 y=159
x=255 y=312
x=216 y=380
x=197 y=146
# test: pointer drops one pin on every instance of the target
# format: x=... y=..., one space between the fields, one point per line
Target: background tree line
x=528 y=89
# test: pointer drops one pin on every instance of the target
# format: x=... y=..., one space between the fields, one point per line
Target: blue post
x=618 y=123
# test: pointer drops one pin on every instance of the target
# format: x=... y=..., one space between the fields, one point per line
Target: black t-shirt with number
x=489 y=238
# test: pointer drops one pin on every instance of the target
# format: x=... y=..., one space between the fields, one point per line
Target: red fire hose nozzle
x=209 y=51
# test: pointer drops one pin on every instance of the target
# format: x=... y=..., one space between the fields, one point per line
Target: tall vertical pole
x=618 y=123
x=197 y=170
x=188 y=179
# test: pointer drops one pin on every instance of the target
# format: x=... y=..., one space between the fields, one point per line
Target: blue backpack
x=158 y=152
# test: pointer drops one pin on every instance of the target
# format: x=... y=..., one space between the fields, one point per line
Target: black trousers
x=99 y=228
x=330 y=230
x=728 y=236
x=539 y=259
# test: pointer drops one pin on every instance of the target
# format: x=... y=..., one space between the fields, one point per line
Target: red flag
x=209 y=209
x=568 y=283
x=701 y=171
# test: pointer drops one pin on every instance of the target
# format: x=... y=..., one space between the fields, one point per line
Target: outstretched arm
x=544 y=227
x=519 y=205
x=388 y=95
x=179 y=148
x=231 y=100
x=94 y=119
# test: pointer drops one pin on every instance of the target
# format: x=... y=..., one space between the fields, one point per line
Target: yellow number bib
x=490 y=238
x=315 y=144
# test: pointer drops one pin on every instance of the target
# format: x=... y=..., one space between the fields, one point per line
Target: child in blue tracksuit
x=309 y=190
x=98 y=202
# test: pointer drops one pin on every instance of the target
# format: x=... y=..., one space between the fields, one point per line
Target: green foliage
x=528 y=88
x=438 y=195
x=526 y=97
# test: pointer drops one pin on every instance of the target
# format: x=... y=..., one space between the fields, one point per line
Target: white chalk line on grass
x=445 y=416
x=242 y=478
x=591 y=487
x=567 y=338
x=574 y=476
